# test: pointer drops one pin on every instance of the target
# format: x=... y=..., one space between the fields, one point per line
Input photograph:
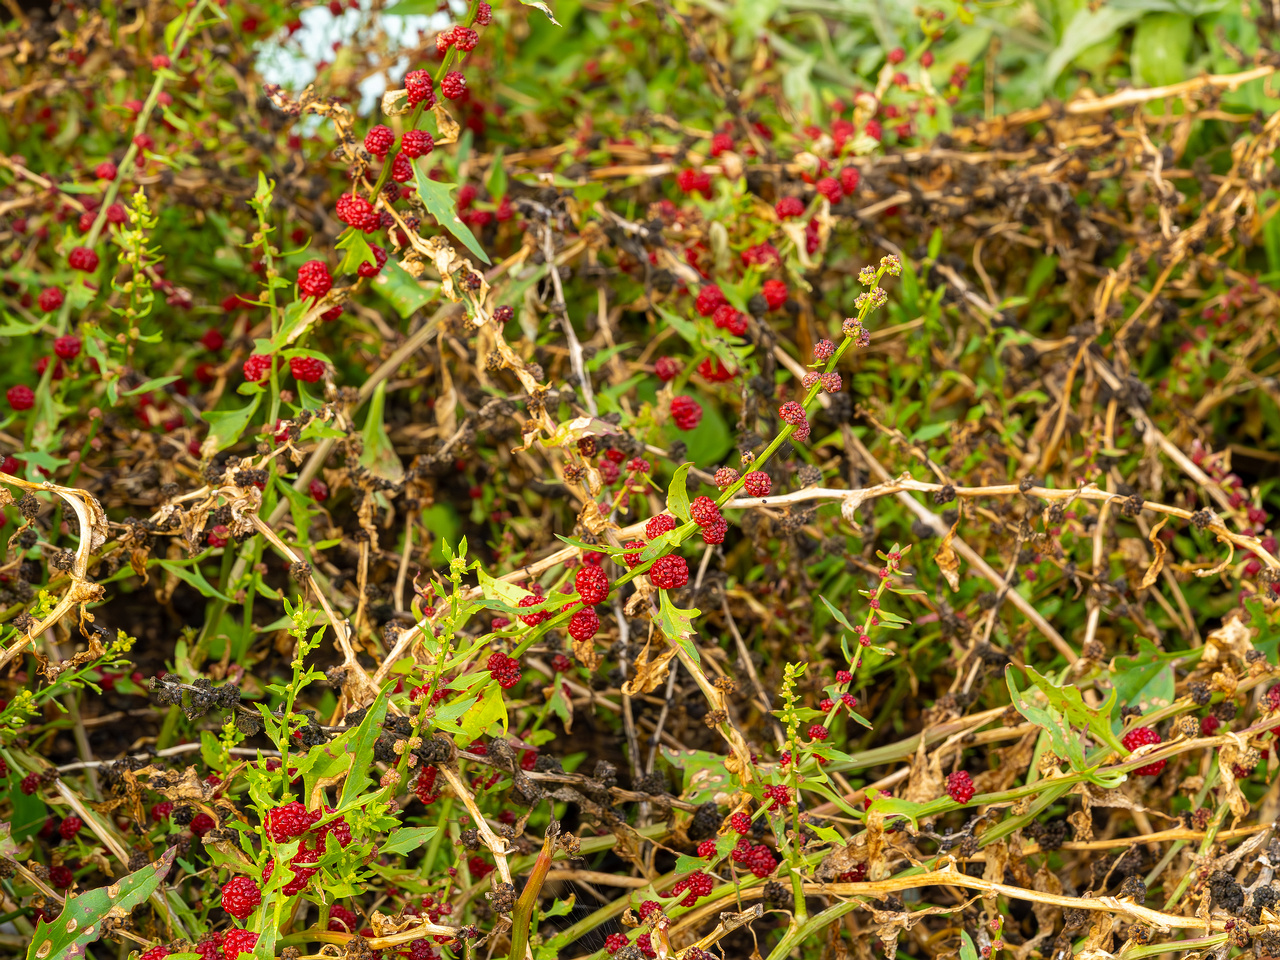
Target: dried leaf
x=1159 y=550
x=946 y=559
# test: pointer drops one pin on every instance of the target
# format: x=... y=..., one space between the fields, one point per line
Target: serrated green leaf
x=677 y=624
x=362 y=750
x=437 y=197
x=80 y=922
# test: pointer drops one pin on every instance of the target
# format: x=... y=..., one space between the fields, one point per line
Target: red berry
x=484 y=14
x=707 y=849
x=367 y=269
x=319 y=490
x=201 y=824
x=592 y=585
x=357 y=212
x=849 y=179
x=926 y=59
x=725 y=477
x=560 y=663
x=116 y=214
x=453 y=85
x=416 y=143
x=775 y=293
x=666 y=368
x=50 y=299
x=818 y=732
x=615 y=942
x=83 y=259
x=686 y=412
x=155 y=953
x=379 y=140
x=897 y=55
x=960 y=786
x=849 y=700
x=144 y=141
x=504 y=314
x=826 y=704
x=419 y=86
x=583 y=624
x=401 y=168
x=21 y=397
x=704 y=511
x=70 y=827
x=709 y=298
x=788 y=208
x=1141 y=737
x=657 y=526
x=464 y=39
x=504 y=669
x=721 y=143
x=1209 y=726
x=342 y=920
x=823 y=350
x=740 y=823
x=237 y=943
x=778 y=795
x=757 y=483
x=830 y=188
x=648 y=908
x=669 y=573
x=239 y=897
x=631 y=559
x=532 y=619
x=792 y=413
x=306 y=369
x=715 y=532
x=289 y=821
x=314 y=279
x=257 y=367
x=105 y=170
x=67 y=348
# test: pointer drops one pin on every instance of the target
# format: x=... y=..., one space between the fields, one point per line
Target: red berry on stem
x=50 y=299
x=960 y=786
x=416 y=143
x=1141 y=737
x=592 y=585
x=584 y=624
x=453 y=85
x=83 y=259
x=21 y=397
x=314 y=279
x=685 y=412
x=419 y=86
x=666 y=368
x=657 y=526
x=306 y=369
x=757 y=483
x=379 y=140
x=669 y=573
x=240 y=896
x=257 y=367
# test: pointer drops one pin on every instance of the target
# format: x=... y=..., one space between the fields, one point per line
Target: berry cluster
x=686 y=412
x=240 y=896
x=504 y=669
x=669 y=572
x=698 y=884
x=757 y=858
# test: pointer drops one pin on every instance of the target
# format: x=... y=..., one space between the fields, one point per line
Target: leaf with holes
x=80 y=922
x=438 y=199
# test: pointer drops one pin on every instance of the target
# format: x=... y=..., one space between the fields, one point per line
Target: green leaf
x=840 y=617
x=677 y=624
x=437 y=197
x=496 y=184
x=408 y=839
x=967 y=950
x=362 y=753
x=1096 y=720
x=80 y=922
x=1086 y=28
x=1161 y=42
x=379 y=456
x=677 y=495
x=409 y=8
x=704 y=773
x=226 y=426
x=358 y=251
x=155 y=384
x=686 y=328
x=1145 y=680
x=191 y=575
x=1065 y=742
x=399 y=288
x=489 y=709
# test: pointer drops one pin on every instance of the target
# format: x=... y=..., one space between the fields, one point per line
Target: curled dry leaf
x=1158 y=550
